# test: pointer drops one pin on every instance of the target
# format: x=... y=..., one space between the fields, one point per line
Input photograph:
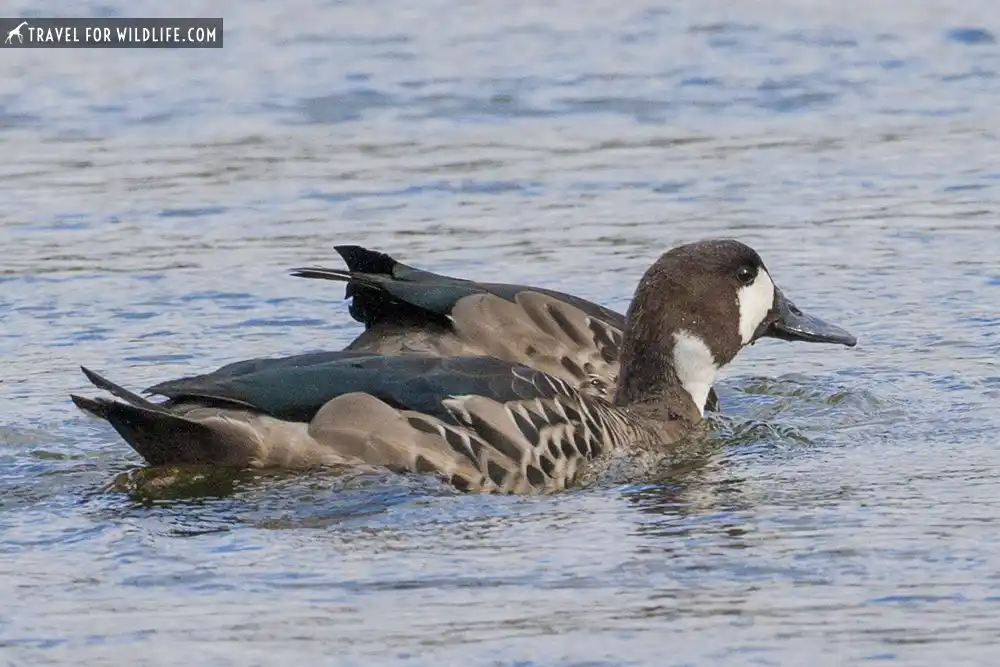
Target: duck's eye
x=746 y=274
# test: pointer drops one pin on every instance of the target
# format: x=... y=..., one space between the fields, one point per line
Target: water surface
x=153 y=201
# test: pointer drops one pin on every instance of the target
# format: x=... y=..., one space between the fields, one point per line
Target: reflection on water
x=154 y=203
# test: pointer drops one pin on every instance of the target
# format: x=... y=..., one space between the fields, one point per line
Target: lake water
x=151 y=203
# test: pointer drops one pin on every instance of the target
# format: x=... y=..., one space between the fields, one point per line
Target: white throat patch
x=755 y=300
x=695 y=366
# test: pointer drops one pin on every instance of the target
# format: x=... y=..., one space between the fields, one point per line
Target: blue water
x=153 y=201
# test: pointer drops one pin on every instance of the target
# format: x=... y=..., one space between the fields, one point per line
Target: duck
x=480 y=423
x=406 y=310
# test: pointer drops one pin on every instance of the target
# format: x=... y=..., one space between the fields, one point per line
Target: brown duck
x=407 y=310
x=484 y=423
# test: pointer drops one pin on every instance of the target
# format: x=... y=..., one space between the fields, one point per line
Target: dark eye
x=746 y=274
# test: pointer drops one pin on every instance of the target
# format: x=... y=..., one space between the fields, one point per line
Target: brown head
x=693 y=311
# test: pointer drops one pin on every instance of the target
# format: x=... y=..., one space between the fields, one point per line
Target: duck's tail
x=385 y=291
x=365 y=260
x=154 y=431
x=365 y=263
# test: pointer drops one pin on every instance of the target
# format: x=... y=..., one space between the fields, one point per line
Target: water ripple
x=847 y=509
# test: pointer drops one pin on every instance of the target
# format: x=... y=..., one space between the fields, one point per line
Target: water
x=153 y=201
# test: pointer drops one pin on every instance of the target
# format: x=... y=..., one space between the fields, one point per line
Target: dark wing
x=296 y=391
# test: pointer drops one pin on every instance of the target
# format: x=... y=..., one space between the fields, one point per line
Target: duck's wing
x=409 y=310
x=293 y=390
x=480 y=423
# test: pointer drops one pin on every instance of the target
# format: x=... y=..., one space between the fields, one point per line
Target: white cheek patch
x=755 y=301
x=695 y=366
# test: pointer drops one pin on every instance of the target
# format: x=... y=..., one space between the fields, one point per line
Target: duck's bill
x=793 y=324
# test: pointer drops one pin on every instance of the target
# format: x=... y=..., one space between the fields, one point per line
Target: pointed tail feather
x=160 y=436
x=363 y=260
x=322 y=273
x=107 y=385
x=377 y=268
x=382 y=298
x=95 y=406
x=370 y=293
x=359 y=261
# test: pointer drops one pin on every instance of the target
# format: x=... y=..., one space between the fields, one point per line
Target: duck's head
x=694 y=310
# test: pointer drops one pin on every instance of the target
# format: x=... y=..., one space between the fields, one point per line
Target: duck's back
x=407 y=310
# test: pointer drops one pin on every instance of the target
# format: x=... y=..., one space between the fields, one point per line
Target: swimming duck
x=407 y=310
x=480 y=422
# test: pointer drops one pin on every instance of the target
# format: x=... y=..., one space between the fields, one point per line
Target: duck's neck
x=671 y=379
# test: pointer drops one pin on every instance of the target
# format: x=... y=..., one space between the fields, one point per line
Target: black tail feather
x=162 y=438
x=116 y=390
x=363 y=260
x=383 y=291
x=322 y=273
x=359 y=261
x=152 y=430
x=95 y=406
